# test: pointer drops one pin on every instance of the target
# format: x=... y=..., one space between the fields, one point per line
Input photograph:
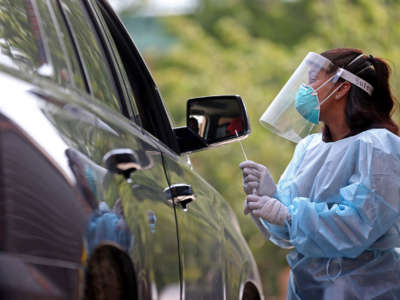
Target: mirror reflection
x=215 y=119
x=21 y=41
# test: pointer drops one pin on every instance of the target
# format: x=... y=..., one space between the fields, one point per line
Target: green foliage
x=283 y=22
x=251 y=48
x=16 y=35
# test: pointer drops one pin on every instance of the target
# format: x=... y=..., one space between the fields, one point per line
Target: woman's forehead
x=317 y=67
x=317 y=75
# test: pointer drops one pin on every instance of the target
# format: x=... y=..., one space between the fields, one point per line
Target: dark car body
x=90 y=167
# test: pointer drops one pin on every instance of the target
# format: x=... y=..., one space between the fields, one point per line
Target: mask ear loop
x=329 y=79
x=327 y=97
x=336 y=77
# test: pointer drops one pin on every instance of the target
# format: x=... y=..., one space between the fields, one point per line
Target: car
x=98 y=196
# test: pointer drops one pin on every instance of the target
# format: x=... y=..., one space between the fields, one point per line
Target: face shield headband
x=354 y=79
x=346 y=75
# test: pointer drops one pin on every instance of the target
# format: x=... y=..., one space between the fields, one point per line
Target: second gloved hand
x=270 y=209
x=256 y=177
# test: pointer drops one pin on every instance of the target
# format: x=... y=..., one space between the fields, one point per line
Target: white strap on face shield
x=354 y=79
x=354 y=60
x=326 y=81
x=334 y=91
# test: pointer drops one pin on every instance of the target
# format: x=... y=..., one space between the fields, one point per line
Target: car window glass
x=22 y=44
x=152 y=112
x=131 y=101
x=95 y=63
x=67 y=47
x=57 y=56
x=124 y=77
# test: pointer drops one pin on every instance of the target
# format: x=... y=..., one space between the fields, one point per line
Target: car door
x=201 y=231
x=118 y=165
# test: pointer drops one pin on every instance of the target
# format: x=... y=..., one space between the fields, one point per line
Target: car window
x=130 y=103
x=96 y=68
x=22 y=43
x=33 y=39
x=75 y=73
x=152 y=113
x=57 y=55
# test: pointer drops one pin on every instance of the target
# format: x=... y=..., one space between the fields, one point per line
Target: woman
x=338 y=201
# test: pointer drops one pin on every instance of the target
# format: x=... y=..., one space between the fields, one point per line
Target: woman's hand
x=256 y=177
x=270 y=209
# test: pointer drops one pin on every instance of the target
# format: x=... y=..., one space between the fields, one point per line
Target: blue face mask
x=307 y=103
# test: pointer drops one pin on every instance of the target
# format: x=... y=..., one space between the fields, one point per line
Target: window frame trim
x=52 y=12
x=126 y=100
x=76 y=48
x=42 y=42
x=93 y=26
x=90 y=12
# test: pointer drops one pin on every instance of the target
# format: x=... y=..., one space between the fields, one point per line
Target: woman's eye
x=311 y=80
x=312 y=76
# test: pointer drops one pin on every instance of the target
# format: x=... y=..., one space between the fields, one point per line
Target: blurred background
x=251 y=47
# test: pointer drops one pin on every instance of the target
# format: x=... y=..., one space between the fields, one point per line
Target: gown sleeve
x=279 y=235
x=362 y=212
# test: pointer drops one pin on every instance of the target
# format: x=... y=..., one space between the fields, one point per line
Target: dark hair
x=363 y=111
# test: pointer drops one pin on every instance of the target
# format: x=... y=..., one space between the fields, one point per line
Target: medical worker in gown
x=337 y=204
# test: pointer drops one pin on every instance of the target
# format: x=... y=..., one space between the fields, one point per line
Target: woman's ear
x=343 y=90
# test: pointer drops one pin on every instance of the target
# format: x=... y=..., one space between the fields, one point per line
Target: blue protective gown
x=344 y=202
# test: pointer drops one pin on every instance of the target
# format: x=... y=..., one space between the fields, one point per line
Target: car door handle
x=180 y=193
x=122 y=161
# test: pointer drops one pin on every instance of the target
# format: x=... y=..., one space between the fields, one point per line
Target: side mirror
x=213 y=121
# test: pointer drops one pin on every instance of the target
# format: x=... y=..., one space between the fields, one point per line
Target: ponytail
x=382 y=94
x=381 y=86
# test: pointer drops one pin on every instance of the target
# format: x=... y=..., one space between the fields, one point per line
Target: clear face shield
x=295 y=110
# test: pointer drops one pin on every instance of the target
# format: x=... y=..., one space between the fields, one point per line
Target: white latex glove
x=270 y=209
x=257 y=177
x=256 y=221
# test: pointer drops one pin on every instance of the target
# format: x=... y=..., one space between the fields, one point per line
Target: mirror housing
x=213 y=121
